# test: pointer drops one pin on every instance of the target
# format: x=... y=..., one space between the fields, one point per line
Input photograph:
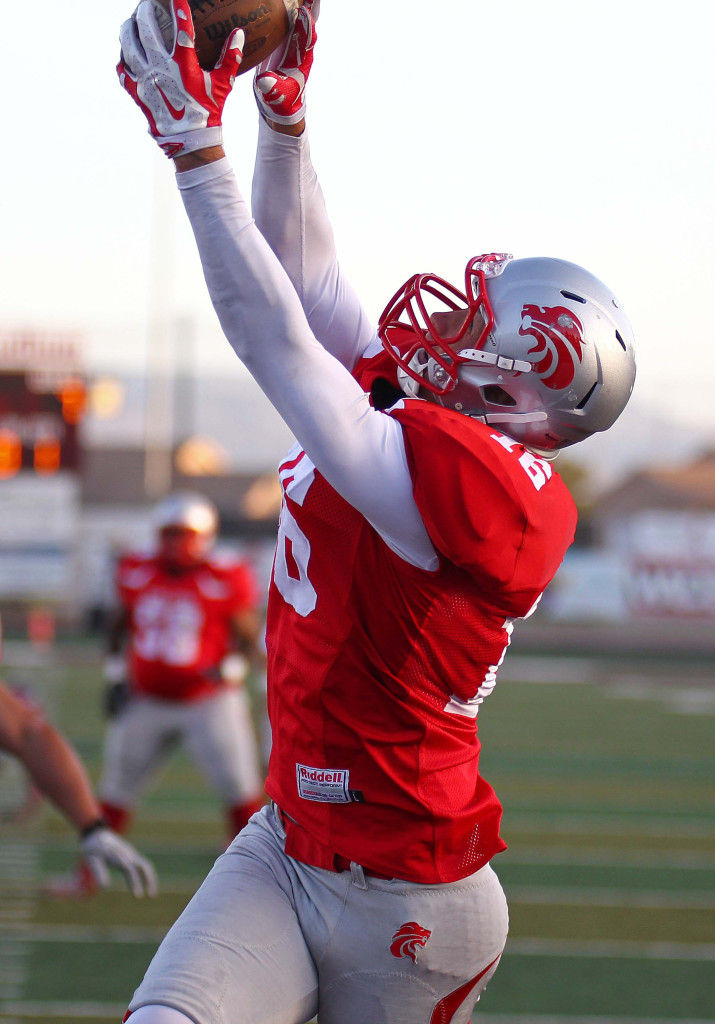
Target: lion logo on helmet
x=559 y=343
x=407 y=939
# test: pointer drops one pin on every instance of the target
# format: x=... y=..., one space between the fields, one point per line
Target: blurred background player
x=180 y=646
x=57 y=772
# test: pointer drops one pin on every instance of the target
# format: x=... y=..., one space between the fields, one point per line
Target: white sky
x=580 y=130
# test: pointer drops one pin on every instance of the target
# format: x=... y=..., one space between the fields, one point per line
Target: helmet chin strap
x=476 y=355
x=510 y=417
x=493 y=419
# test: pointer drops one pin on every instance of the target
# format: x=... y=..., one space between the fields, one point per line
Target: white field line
x=17 y=902
x=603 y=825
x=610 y=857
x=601 y=856
x=114 y=1011
x=584 y=896
x=612 y=948
x=520 y=668
x=597 y=824
x=532 y=1018
x=122 y=934
x=545 y=895
x=148 y=847
x=22 y=1010
x=522 y=947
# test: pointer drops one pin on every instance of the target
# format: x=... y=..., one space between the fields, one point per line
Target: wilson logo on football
x=408 y=939
x=559 y=343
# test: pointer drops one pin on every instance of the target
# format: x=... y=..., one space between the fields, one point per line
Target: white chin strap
x=475 y=355
x=510 y=417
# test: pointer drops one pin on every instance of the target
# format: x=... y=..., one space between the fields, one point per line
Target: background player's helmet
x=545 y=352
x=187 y=525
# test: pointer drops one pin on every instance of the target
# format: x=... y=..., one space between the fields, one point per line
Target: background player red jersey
x=180 y=625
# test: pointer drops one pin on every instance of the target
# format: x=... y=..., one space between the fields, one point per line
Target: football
x=265 y=23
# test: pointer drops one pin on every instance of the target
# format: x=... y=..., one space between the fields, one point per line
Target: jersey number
x=167 y=629
x=538 y=470
x=290 y=571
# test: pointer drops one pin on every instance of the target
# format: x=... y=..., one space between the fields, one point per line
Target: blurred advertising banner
x=39 y=521
x=654 y=563
x=671 y=563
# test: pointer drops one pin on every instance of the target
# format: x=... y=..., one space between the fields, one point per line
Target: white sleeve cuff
x=269 y=137
x=200 y=175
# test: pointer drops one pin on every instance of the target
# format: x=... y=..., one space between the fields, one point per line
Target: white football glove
x=280 y=80
x=182 y=103
x=102 y=848
x=234 y=669
x=114 y=668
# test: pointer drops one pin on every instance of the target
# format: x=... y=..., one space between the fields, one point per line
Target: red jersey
x=180 y=623
x=377 y=668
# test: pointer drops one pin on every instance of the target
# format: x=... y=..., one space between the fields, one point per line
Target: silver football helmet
x=181 y=512
x=543 y=351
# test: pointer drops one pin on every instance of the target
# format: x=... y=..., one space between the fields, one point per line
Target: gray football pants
x=268 y=940
x=216 y=731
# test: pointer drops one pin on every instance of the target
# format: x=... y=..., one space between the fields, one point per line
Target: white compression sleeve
x=360 y=451
x=289 y=209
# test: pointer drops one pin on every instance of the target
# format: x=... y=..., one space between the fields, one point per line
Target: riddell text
x=321 y=775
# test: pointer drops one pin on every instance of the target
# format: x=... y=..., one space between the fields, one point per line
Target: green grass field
x=608 y=788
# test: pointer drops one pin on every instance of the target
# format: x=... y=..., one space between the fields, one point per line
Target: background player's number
x=167 y=629
x=290 y=573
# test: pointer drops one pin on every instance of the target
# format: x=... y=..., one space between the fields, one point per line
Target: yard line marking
x=147 y=845
x=126 y=934
x=520 y=668
x=17 y=905
x=179 y=885
x=532 y=1018
x=611 y=857
x=130 y=935
x=584 y=896
x=612 y=948
x=605 y=856
x=112 y=1011
x=600 y=825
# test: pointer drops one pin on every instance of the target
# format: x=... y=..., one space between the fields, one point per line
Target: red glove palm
x=279 y=84
x=182 y=103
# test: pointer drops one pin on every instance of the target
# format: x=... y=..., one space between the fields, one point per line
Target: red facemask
x=407 y=323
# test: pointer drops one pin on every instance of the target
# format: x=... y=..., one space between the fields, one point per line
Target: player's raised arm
x=288 y=203
x=359 y=450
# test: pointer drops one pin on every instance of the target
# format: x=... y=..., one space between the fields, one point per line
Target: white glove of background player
x=280 y=80
x=114 y=669
x=102 y=849
x=182 y=103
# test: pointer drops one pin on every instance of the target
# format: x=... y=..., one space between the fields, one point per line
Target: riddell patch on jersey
x=326 y=785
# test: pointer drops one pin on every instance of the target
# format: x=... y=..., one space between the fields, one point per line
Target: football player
x=180 y=646
x=56 y=770
x=422 y=516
